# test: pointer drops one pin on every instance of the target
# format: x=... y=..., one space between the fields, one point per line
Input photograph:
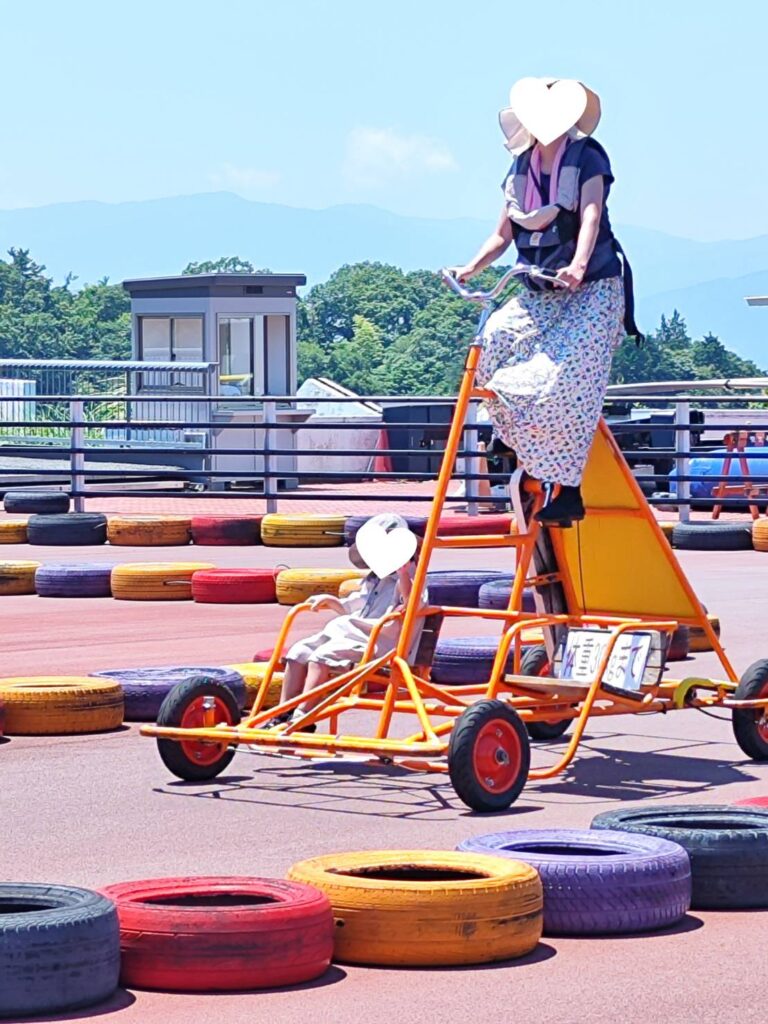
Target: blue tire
x=145 y=689
x=460 y=588
x=88 y=579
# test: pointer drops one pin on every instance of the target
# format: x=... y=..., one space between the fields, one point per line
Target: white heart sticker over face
x=385 y=552
x=548 y=111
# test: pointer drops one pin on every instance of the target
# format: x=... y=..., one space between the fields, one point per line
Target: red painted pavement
x=93 y=810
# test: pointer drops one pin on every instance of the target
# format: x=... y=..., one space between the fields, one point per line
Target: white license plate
x=584 y=649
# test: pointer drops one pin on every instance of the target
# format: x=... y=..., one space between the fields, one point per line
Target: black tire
x=728 y=847
x=36 y=501
x=599 y=882
x=59 y=948
x=488 y=722
x=465 y=660
x=496 y=595
x=75 y=528
x=751 y=727
x=172 y=712
x=712 y=536
x=535 y=662
x=679 y=644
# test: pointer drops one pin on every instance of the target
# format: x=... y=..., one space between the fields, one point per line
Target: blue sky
x=394 y=103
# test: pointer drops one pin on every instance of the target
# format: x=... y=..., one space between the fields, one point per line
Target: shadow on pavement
x=380 y=791
x=121 y=1000
x=688 y=924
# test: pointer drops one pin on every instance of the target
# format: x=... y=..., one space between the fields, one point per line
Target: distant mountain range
x=706 y=281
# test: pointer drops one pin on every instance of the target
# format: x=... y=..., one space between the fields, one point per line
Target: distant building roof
x=208 y=285
x=757 y=300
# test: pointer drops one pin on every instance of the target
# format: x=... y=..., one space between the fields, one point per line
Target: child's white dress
x=342 y=641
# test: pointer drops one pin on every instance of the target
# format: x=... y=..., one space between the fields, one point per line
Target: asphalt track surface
x=101 y=809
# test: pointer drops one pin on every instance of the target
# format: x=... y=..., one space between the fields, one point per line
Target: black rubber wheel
x=184 y=707
x=535 y=662
x=59 y=948
x=712 y=536
x=36 y=501
x=489 y=755
x=679 y=646
x=751 y=727
x=78 y=528
x=728 y=847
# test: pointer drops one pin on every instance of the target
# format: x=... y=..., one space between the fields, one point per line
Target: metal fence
x=131 y=418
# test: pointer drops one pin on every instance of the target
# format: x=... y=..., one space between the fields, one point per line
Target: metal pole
x=77 y=458
x=270 y=483
x=682 y=443
x=471 y=462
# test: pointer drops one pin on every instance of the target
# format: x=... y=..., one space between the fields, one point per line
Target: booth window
x=171 y=339
x=240 y=365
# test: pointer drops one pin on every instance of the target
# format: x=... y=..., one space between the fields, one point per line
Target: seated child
x=342 y=641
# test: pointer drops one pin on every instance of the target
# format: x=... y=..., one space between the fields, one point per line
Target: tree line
x=372 y=327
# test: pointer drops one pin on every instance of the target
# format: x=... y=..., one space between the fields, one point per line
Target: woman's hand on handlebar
x=463 y=274
x=571 y=276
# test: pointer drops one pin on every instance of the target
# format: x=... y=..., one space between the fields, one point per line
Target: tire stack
x=13 y=531
x=235 y=586
x=144 y=689
x=60 y=705
x=302 y=530
x=51 y=523
x=460 y=588
x=34 y=502
x=296 y=585
x=155 y=581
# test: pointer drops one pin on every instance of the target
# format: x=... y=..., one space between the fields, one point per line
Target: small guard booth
x=244 y=327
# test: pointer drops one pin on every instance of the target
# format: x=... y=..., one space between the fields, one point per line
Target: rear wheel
x=750 y=727
x=489 y=756
x=535 y=662
x=199 y=703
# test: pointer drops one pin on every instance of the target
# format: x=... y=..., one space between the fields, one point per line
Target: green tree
x=223 y=265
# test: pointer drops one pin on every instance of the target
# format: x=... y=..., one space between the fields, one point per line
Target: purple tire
x=618 y=884
x=465 y=660
x=85 y=579
x=460 y=588
x=145 y=689
x=495 y=594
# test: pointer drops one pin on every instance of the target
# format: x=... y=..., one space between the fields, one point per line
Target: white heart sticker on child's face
x=384 y=552
x=548 y=111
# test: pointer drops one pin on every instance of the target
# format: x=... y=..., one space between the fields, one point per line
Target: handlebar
x=485 y=298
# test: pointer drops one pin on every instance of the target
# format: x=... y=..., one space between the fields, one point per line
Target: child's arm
x=405 y=583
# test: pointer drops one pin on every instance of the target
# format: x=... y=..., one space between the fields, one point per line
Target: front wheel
x=489 y=756
x=198 y=703
x=750 y=727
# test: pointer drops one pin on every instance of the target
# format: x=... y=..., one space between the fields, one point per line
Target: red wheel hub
x=497 y=756
x=204 y=712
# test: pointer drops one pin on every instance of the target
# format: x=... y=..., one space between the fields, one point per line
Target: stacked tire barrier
x=149 y=531
x=460 y=588
x=220 y=531
x=84 y=579
x=296 y=585
x=155 y=581
x=235 y=586
x=302 y=530
x=18 y=577
x=60 y=705
x=145 y=689
x=46 y=502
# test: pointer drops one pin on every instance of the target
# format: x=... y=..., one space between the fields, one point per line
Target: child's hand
x=324 y=602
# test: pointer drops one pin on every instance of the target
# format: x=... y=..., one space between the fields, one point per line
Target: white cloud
x=374 y=156
x=244 y=179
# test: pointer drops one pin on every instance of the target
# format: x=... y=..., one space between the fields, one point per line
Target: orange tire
x=155 y=581
x=60 y=705
x=17 y=577
x=13 y=531
x=149 y=531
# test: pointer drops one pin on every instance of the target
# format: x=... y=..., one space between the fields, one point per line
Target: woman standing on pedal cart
x=547 y=352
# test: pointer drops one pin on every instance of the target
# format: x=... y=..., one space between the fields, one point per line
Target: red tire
x=467 y=526
x=221 y=934
x=752 y=801
x=266 y=653
x=234 y=586
x=2 y=718
x=229 y=530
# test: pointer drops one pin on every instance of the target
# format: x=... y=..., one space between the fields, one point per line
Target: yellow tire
x=17 y=577
x=13 y=531
x=59 y=705
x=760 y=534
x=427 y=907
x=155 y=581
x=302 y=530
x=253 y=673
x=699 y=639
x=667 y=526
x=149 y=531
x=295 y=585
